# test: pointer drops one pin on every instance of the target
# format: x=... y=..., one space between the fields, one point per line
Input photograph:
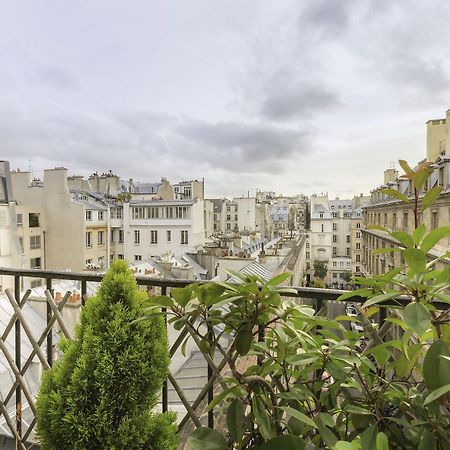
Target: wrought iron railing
x=17 y=327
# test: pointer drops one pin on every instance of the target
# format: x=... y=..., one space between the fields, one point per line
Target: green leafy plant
x=309 y=382
x=320 y=269
x=101 y=393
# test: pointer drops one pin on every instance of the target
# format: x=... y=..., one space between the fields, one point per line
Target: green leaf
x=181 y=295
x=417 y=317
x=415 y=259
x=231 y=391
x=344 y=445
x=382 y=442
x=396 y=194
x=210 y=293
x=278 y=279
x=405 y=166
x=368 y=438
x=436 y=370
x=160 y=300
x=353 y=409
x=428 y=441
x=406 y=362
x=431 y=196
x=437 y=393
x=418 y=233
x=206 y=439
x=236 y=419
x=434 y=237
x=380 y=298
x=244 y=339
x=284 y=442
x=261 y=417
x=326 y=434
x=299 y=416
x=405 y=238
x=379 y=228
x=363 y=292
x=421 y=175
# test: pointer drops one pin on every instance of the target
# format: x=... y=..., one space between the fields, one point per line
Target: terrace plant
x=308 y=382
x=101 y=393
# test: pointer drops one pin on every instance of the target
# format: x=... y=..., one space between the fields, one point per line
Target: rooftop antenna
x=29 y=167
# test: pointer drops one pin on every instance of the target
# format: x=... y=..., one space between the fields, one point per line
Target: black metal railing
x=53 y=316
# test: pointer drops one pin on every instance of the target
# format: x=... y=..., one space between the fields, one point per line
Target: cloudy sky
x=292 y=96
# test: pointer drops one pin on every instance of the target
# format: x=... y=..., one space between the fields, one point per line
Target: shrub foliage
x=100 y=394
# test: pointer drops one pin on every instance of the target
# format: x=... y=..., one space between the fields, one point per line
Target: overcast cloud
x=295 y=97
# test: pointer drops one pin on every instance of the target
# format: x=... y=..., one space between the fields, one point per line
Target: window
x=228 y=208
x=153 y=236
x=120 y=256
x=100 y=215
x=181 y=212
x=228 y=217
x=19 y=219
x=358 y=235
x=21 y=243
x=120 y=236
x=334 y=264
x=88 y=215
x=308 y=255
x=334 y=251
x=321 y=215
x=33 y=220
x=334 y=226
x=88 y=239
x=341 y=263
x=169 y=235
x=347 y=251
x=334 y=215
x=348 y=238
x=307 y=245
x=434 y=219
x=35 y=242
x=228 y=226
x=235 y=217
x=116 y=213
x=334 y=237
x=138 y=257
x=137 y=236
x=358 y=224
x=112 y=236
x=184 y=237
x=169 y=212
x=100 y=237
x=405 y=220
x=358 y=269
x=358 y=259
x=35 y=263
x=321 y=228
x=101 y=262
x=394 y=221
x=358 y=246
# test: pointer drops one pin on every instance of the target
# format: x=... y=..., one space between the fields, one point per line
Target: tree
x=100 y=394
x=347 y=276
x=320 y=269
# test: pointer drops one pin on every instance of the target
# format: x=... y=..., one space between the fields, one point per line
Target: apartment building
x=395 y=215
x=335 y=238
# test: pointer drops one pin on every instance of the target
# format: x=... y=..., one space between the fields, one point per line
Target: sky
x=307 y=96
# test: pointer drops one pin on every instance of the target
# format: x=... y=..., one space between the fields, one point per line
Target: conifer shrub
x=101 y=393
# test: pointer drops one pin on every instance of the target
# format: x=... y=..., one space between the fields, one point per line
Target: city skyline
x=294 y=98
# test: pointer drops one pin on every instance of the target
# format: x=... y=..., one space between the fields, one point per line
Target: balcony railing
x=18 y=397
